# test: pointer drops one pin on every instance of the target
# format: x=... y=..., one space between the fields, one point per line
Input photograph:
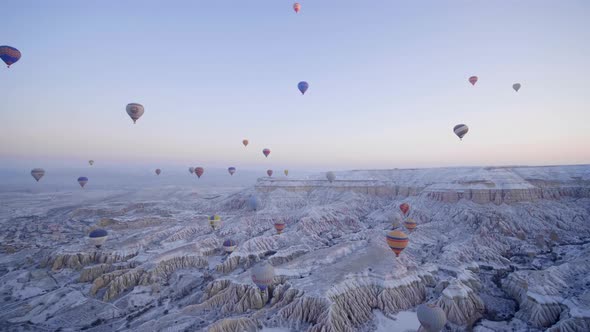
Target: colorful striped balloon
x=280 y=226
x=410 y=224
x=229 y=245
x=397 y=241
x=9 y=55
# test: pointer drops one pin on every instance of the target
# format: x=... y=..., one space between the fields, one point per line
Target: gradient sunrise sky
x=388 y=81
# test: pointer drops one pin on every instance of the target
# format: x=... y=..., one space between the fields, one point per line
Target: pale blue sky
x=388 y=81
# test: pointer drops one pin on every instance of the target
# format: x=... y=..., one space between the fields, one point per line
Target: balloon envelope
x=158 y=171
x=253 y=202
x=37 y=173
x=473 y=80
x=296 y=7
x=516 y=86
x=91 y=162
x=9 y=55
x=330 y=176
x=397 y=241
x=263 y=275
x=98 y=237
x=269 y=172
x=431 y=317
x=229 y=245
x=286 y=172
x=405 y=208
x=280 y=226
x=191 y=170
x=231 y=170
x=460 y=130
x=135 y=111
x=303 y=86
x=266 y=152
x=410 y=224
x=245 y=142
x=395 y=220
x=199 y=171
x=82 y=181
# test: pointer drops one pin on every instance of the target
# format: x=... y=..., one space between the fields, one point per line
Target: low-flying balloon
x=280 y=226
x=135 y=111
x=253 y=202
x=91 y=162
x=397 y=241
x=296 y=7
x=158 y=171
x=405 y=208
x=37 y=173
x=199 y=171
x=214 y=221
x=245 y=142
x=516 y=86
x=231 y=170
x=473 y=80
x=9 y=55
x=263 y=275
x=266 y=152
x=395 y=220
x=82 y=181
x=303 y=86
x=331 y=176
x=431 y=317
x=460 y=130
x=410 y=224
x=229 y=245
x=269 y=172
x=191 y=170
x=286 y=172
x=98 y=237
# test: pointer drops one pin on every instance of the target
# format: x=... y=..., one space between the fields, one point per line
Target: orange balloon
x=397 y=241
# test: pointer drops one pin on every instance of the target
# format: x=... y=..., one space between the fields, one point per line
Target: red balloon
x=199 y=171
x=266 y=152
x=269 y=172
x=473 y=80
x=296 y=7
x=405 y=207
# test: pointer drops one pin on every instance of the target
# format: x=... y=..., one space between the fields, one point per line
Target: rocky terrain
x=498 y=249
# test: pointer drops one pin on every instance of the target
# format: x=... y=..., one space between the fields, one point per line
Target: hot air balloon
x=330 y=176
x=82 y=181
x=431 y=317
x=214 y=221
x=286 y=172
x=397 y=241
x=296 y=7
x=253 y=202
x=410 y=224
x=229 y=245
x=9 y=55
x=405 y=208
x=97 y=237
x=269 y=172
x=280 y=226
x=516 y=86
x=460 y=130
x=266 y=152
x=303 y=86
x=263 y=275
x=191 y=170
x=37 y=173
x=245 y=142
x=158 y=171
x=135 y=111
x=91 y=162
x=395 y=220
x=199 y=171
x=231 y=170
x=473 y=80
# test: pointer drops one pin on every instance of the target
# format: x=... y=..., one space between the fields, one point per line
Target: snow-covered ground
x=499 y=249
